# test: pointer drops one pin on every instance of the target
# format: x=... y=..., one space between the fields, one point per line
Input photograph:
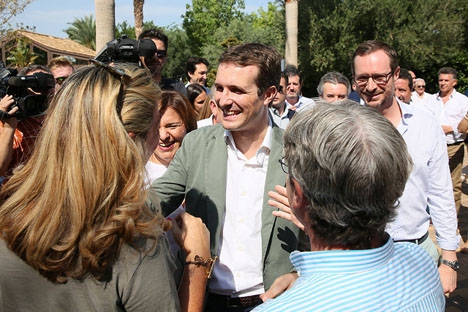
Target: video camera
x=29 y=104
x=125 y=50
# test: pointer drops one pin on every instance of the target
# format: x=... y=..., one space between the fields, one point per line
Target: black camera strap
x=4 y=115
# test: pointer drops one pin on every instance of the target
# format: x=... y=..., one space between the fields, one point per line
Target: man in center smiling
x=225 y=171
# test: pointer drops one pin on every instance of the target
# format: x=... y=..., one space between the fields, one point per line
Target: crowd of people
x=137 y=192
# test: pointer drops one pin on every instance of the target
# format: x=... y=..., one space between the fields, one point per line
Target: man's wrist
x=450 y=255
x=454 y=265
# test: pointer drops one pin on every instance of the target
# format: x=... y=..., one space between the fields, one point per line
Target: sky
x=51 y=17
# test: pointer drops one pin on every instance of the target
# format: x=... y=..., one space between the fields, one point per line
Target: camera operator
x=7 y=133
x=156 y=63
x=17 y=137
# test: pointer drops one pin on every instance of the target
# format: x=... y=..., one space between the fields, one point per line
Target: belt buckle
x=242 y=302
x=233 y=302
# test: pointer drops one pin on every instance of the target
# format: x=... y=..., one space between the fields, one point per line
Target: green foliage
x=426 y=33
x=83 y=30
x=204 y=17
x=178 y=52
x=266 y=27
x=247 y=29
x=21 y=56
x=461 y=65
x=125 y=28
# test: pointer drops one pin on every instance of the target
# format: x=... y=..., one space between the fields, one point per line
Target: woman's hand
x=192 y=235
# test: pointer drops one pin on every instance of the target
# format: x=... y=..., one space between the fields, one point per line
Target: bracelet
x=466 y=118
x=208 y=264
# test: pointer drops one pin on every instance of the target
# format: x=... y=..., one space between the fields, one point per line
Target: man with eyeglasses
x=60 y=67
x=335 y=153
x=428 y=193
x=156 y=63
x=419 y=95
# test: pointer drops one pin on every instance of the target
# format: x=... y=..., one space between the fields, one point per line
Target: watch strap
x=455 y=265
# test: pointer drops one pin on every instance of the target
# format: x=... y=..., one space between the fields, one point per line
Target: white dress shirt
x=417 y=100
x=428 y=192
x=449 y=113
x=239 y=271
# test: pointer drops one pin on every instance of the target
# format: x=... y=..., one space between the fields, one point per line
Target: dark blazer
x=198 y=174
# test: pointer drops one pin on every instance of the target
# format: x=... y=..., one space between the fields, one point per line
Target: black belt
x=456 y=143
x=235 y=302
x=418 y=241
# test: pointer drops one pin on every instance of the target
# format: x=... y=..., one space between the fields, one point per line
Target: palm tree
x=291 y=8
x=83 y=30
x=138 y=14
x=105 y=22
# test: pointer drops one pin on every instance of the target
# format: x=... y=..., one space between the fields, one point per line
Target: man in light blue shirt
x=294 y=98
x=347 y=166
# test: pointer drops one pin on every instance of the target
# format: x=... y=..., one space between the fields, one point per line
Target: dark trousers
x=217 y=303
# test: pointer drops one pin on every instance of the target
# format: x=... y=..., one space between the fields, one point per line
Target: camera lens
x=32 y=105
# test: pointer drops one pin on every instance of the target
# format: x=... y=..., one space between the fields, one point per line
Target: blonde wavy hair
x=81 y=196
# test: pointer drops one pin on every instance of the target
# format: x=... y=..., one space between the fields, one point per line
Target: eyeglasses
x=160 y=53
x=284 y=166
x=421 y=87
x=59 y=80
x=379 y=79
x=119 y=74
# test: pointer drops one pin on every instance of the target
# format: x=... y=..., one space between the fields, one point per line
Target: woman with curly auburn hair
x=76 y=230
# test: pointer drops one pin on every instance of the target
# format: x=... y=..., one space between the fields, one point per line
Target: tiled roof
x=58 y=45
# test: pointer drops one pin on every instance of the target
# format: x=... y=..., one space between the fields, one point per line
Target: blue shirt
x=282 y=121
x=428 y=193
x=302 y=103
x=394 y=277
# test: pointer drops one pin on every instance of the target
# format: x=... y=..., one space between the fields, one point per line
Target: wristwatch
x=455 y=265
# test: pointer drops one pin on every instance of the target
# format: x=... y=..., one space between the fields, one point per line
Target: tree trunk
x=105 y=22
x=291 y=8
x=138 y=14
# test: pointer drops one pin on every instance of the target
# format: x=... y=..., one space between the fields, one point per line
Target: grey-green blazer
x=198 y=174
